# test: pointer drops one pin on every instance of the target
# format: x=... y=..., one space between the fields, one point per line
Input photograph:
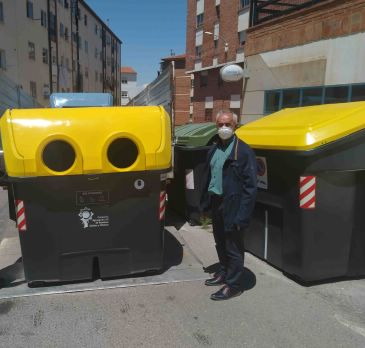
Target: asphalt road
x=273 y=311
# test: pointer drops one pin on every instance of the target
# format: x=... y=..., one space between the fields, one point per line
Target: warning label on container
x=90 y=220
x=262 y=173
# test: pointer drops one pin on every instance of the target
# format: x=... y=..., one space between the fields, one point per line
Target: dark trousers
x=229 y=245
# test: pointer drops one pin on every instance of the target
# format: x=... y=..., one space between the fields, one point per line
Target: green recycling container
x=192 y=142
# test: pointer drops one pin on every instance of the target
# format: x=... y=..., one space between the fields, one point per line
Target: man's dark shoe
x=225 y=293
x=216 y=280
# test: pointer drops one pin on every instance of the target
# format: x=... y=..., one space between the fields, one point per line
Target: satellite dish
x=231 y=73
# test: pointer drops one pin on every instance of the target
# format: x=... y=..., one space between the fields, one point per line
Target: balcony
x=264 y=10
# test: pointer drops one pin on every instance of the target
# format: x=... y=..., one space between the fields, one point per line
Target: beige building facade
x=51 y=46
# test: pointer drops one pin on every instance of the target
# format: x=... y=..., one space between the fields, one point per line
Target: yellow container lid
x=69 y=141
x=304 y=128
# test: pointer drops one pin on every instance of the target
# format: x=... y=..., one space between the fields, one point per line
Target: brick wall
x=328 y=19
x=228 y=22
x=221 y=94
x=182 y=97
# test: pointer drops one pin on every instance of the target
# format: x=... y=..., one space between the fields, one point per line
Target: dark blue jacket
x=239 y=185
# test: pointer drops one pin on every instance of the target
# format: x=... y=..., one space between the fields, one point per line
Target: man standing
x=230 y=191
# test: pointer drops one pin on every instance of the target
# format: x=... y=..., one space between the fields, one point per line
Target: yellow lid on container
x=304 y=128
x=36 y=142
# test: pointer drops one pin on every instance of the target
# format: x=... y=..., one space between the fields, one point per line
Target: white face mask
x=225 y=132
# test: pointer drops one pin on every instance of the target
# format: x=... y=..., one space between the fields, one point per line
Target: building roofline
x=178 y=57
x=129 y=70
x=83 y=2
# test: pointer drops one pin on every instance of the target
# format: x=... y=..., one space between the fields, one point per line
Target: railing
x=12 y=96
x=158 y=92
x=264 y=10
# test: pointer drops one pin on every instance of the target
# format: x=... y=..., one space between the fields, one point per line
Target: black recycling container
x=87 y=192
x=309 y=220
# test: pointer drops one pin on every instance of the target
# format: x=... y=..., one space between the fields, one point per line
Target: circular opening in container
x=122 y=153
x=59 y=156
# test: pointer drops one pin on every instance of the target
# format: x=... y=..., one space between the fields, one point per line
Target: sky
x=149 y=30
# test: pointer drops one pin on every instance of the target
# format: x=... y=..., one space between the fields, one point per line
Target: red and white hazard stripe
x=307 y=192
x=20 y=216
x=162 y=205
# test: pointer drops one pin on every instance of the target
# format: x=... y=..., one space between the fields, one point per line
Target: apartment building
x=216 y=35
x=51 y=46
x=304 y=53
x=129 y=84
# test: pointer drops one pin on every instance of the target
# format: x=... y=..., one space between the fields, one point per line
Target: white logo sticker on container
x=139 y=184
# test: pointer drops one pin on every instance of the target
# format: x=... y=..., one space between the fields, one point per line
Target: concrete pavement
x=273 y=311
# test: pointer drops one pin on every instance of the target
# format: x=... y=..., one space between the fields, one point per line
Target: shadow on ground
x=12 y=275
x=174 y=219
x=249 y=278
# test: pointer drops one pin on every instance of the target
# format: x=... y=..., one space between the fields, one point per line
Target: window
x=86 y=47
x=312 y=96
x=108 y=40
x=198 y=51
x=62 y=30
x=337 y=94
x=45 y=91
x=43 y=19
x=29 y=9
x=244 y=3
x=242 y=37
x=45 y=56
x=199 y=19
x=291 y=98
x=86 y=72
x=218 y=11
x=124 y=82
x=96 y=29
x=272 y=101
x=124 y=94
x=31 y=50
x=208 y=115
x=204 y=78
x=54 y=61
x=96 y=53
x=306 y=96
x=85 y=20
x=1 y=12
x=52 y=25
x=96 y=76
x=66 y=33
x=215 y=44
x=68 y=64
x=66 y=4
x=33 y=89
x=358 y=93
x=101 y=77
x=2 y=60
x=80 y=42
x=62 y=61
